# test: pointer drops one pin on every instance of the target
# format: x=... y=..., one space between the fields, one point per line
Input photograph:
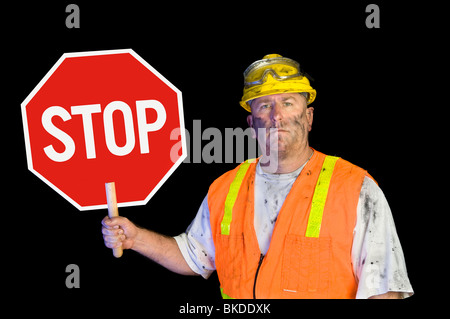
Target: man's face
x=289 y=115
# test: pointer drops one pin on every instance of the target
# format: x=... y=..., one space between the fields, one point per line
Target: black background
x=364 y=112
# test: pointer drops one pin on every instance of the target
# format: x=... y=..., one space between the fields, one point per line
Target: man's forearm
x=388 y=295
x=162 y=250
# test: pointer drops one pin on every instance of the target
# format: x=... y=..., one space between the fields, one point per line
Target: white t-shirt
x=377 y=257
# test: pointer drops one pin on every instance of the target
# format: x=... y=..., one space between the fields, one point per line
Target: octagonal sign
x=99 y=117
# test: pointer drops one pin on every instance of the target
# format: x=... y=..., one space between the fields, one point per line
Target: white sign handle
x=113 y=211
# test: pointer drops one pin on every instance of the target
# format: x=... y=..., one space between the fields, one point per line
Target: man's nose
x=276 y=114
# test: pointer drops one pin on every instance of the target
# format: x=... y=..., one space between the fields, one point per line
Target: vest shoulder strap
x=232 y=195
x=320 y=197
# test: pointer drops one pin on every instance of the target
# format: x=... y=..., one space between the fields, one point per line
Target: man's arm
x=377 y=255
x=388 y=295
x=119 y=231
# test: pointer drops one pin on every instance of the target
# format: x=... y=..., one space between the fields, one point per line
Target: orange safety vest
x=310 y=250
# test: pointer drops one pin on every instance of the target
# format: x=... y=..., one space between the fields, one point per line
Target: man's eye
x=287 y=104
x=264 y=106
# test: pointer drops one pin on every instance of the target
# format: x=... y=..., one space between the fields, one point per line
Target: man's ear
x=309 y=116
x=250 y=124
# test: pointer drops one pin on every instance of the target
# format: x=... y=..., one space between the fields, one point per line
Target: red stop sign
x=104 y=116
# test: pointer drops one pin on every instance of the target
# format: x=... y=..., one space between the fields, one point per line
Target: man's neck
x=286 y=164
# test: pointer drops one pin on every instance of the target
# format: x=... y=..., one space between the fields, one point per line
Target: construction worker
x=294 y=223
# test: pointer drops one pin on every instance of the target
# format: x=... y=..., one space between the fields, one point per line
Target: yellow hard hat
x=274 y=74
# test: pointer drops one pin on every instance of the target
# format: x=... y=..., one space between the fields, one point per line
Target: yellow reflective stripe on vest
x=224 y=295
x=320 y=197
x=232 y=195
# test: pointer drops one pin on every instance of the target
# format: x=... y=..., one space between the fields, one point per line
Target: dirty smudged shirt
x=377 y=257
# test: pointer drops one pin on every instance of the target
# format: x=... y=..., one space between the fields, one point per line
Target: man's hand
x=119 y=231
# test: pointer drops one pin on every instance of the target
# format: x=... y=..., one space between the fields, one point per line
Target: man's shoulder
x=353 y=168
x=347 y=172
x=226 y=178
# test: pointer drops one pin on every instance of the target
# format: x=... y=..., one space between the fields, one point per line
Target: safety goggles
x=280 y=68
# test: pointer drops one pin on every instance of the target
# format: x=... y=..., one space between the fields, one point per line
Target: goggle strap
x=278 y=77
